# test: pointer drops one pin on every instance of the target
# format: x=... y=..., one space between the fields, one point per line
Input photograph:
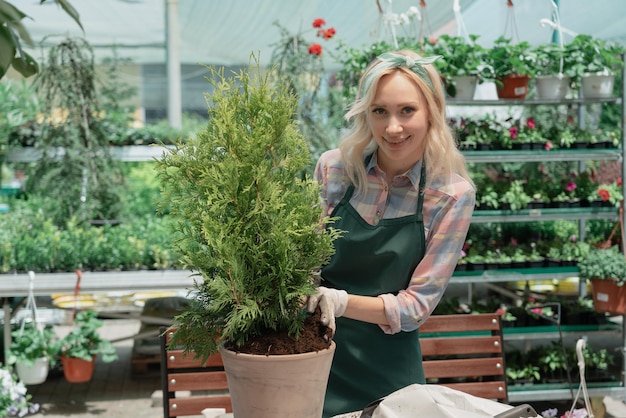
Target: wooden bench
x=188 y=385
x=453 y=347
x=465 y=347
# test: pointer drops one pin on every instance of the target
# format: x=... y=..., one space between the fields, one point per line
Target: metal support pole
x=174 y=101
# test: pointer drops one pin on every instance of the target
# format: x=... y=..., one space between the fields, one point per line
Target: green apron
x=371 y=260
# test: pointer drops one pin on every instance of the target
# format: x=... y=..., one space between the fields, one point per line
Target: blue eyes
x=405 y=111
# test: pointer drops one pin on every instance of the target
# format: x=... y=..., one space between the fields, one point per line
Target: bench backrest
x=189 y=386
x=465 y=352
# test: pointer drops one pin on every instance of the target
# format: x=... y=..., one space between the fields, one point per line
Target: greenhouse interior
x=177 y=182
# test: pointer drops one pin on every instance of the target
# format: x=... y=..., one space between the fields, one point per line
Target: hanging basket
x=608 y=297
x=597 y=86
x=551 y=87
x=512 y=86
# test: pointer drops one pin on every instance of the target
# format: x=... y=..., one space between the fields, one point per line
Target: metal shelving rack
x=490 y=277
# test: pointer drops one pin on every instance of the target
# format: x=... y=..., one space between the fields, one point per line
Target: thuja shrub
x=245 y=218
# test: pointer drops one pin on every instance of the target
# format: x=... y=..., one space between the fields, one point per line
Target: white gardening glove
x=332 y=303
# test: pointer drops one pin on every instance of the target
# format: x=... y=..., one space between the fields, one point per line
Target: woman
x=401 y=192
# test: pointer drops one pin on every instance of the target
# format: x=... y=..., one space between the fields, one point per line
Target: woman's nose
x=394 y=125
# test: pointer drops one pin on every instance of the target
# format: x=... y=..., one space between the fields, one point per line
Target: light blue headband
x=391 y=60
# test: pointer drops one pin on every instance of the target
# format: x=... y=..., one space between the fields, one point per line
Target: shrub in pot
x=80 y=347
x=606 y=270
x=250 y=224
x=32 y=351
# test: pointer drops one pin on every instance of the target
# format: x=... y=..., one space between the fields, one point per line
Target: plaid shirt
x=447 y=212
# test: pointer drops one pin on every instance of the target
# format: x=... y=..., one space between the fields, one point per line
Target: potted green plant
x=80 y=347
x=463 y=64
x=606 y=270
x=594 y=62
x=552 y=75
x=248 y=221
x=33 y=351
x=512 y=66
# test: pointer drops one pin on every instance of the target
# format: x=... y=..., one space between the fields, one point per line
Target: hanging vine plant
x=76 y=167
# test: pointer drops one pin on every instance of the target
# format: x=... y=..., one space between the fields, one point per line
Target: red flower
x=619 y=181
x=326 y=34
x=319 y=22
x=513 y=132
x=571 y=186
x=531 y=123
x=604 y=194
x=548 y=146
x=315 y=49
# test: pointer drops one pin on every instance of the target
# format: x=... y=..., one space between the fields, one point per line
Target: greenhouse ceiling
x=227 y=32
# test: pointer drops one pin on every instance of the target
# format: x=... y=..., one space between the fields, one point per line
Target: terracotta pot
x=597 y=86
x=77 y=370
x=33 y=374
x=277 y=386
x=513 y=87
x=608 y=297
x=551 y=87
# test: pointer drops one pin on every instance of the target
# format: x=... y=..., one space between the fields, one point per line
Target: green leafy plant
x=461 y=57
x=13 y=33
x=508 y=58
x=84 y=341
x=551 y=60
x=515 y=196
x=243 y=216
x=591 y=55
x=29 y=343
x=604 y=264
x=76 y=167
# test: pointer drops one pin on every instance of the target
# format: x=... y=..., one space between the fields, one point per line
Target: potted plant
x=15 y=401
x=594 y=64
x=250 y=224
x=552 y=71
x=32 y=351
x=463 y=64
x=512 y=66
x=80 y=347
x=606 y=270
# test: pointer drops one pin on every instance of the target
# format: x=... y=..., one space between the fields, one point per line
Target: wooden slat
x=460 y=323
x=195 y=405
x=462 y=345
x=487 y=390
x=491 y=366
x=197 y=381
x=177 y=359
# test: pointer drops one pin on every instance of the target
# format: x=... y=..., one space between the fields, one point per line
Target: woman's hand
x=332 y=303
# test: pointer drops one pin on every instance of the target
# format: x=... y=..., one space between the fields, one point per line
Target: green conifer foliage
x=245 y=219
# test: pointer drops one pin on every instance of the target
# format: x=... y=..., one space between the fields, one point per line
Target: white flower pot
x=596 y=86
x=33 y=374
x=465 y=86
x=551 y=87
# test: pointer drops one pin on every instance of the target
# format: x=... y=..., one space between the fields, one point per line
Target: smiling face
x=398 y=118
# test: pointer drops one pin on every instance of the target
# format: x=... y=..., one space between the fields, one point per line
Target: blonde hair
x=441 y=155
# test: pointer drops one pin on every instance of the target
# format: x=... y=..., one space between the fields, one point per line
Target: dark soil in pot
x=314 y=337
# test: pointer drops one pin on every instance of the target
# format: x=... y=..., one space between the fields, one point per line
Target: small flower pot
x=513 y=87
x=465 y=87
x=551 y=87
x=597 y=86
x=608 y=297
x=77 y=370
x=33 y=374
